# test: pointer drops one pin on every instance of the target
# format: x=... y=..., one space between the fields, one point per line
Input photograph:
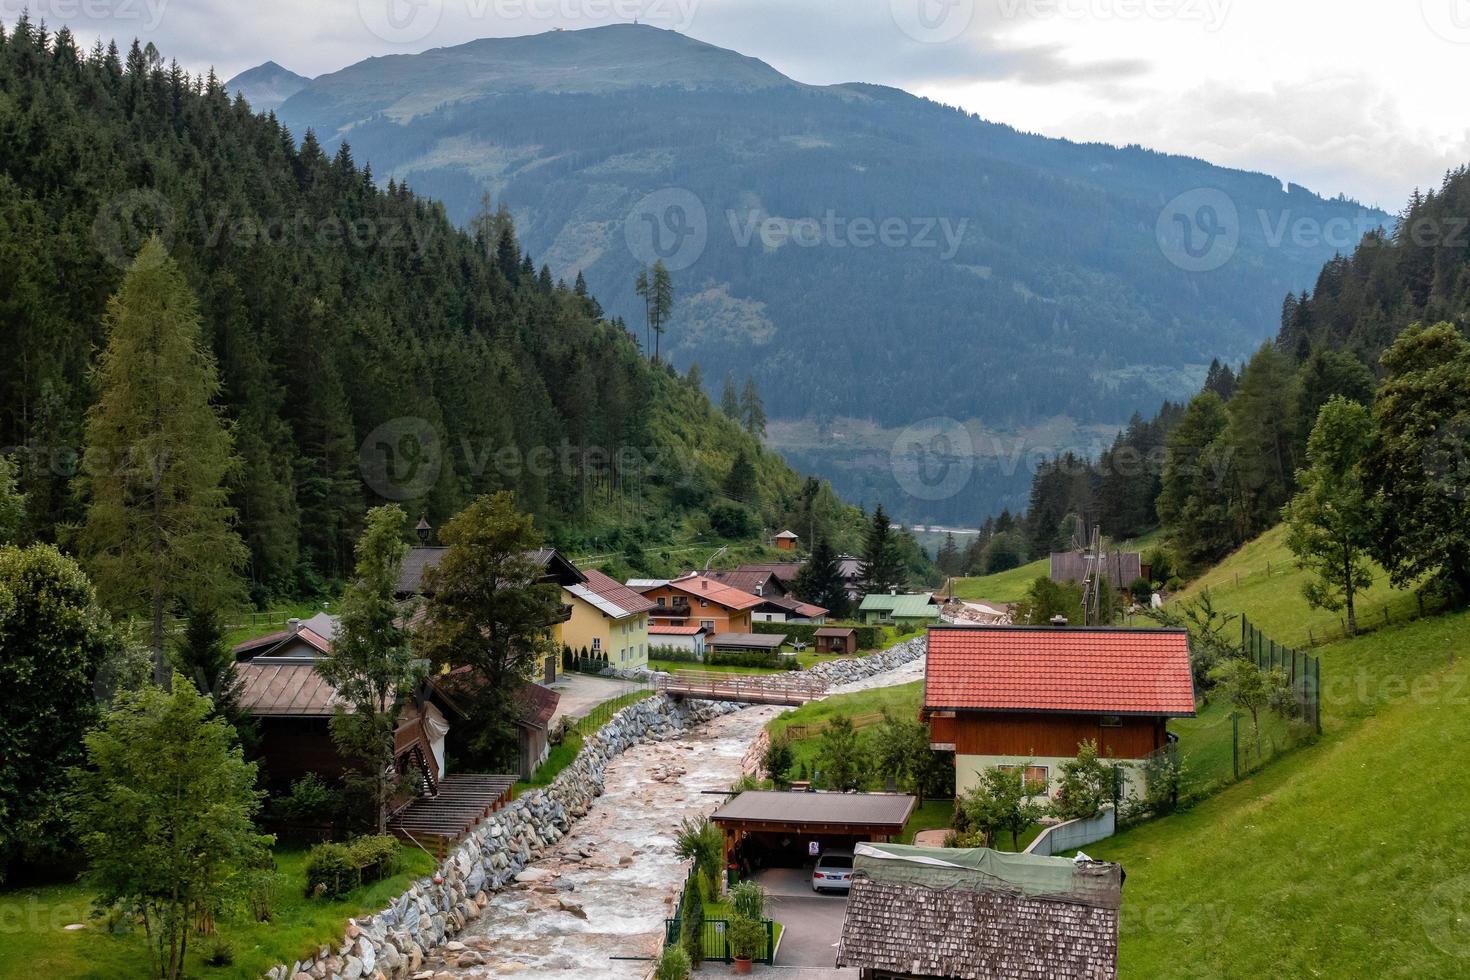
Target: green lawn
x=903 y=700
x=35 y=943
x=1262 y=580
x=929 y=815
x=1344 y=858
x=1008 y=586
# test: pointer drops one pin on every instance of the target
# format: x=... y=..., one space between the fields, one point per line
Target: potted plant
x=746 y=938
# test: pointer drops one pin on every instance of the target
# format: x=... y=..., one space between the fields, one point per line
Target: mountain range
x=872 y=258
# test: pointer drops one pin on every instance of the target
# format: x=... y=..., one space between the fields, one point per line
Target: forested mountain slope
x=367 y=348
x=1027 y=281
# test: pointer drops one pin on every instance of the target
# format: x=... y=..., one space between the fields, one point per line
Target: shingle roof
x=708 y=588
x=975 y=935
x=786 y=571
x=1071 y=670
x=752 y=579
x=610 y=596
x=867 y=809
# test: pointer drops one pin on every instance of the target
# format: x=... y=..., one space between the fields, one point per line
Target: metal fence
x=715 y=945
x=1303 y=671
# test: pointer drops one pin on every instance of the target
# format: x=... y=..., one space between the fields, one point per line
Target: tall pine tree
x=159 y=529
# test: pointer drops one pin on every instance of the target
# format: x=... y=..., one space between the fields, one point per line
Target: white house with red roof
x=1019 y=695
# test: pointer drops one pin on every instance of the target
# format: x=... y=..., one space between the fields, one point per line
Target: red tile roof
x=708 y=588
x=1046 y=669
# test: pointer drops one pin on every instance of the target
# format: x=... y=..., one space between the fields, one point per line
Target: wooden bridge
x=793 y=688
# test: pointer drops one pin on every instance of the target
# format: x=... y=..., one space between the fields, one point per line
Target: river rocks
x=394 y=943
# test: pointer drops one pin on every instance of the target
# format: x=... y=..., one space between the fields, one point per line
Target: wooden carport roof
x=880 y=814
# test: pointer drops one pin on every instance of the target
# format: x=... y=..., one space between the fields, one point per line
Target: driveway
x=813 y=923
x=580 y=693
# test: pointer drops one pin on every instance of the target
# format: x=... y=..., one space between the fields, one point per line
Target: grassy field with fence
x=1345 y=857
x=1262 y=580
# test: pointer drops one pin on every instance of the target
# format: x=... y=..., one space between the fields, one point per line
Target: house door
x=549 y=676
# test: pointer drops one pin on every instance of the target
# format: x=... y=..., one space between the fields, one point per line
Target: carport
x=765 y=829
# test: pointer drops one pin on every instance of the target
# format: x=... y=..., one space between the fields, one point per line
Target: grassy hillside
x=1011 y=586
x=1345 y=858
x=1262 y=580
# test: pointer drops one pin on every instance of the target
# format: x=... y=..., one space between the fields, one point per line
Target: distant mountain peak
x=267 y=85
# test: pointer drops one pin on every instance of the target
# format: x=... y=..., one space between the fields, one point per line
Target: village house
x=785 y=541
x=607 y=618
x=912 y=611
x=698 y=600
x=685 y=639
x=778 y=605
x=841 y=640
x=920 y=913
x=1030 y=695
x=1120 y=568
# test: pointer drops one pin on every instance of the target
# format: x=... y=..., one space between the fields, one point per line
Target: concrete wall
x=1074 y=834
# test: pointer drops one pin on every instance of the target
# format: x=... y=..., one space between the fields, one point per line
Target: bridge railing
x=740 y=687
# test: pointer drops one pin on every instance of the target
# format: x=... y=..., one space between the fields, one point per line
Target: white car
x=833 y=872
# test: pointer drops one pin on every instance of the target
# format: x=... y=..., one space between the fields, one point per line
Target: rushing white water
x=617 y=867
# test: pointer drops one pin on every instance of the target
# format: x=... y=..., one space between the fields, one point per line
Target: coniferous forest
x=367 y=349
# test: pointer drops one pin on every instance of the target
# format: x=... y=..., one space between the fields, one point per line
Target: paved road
x=813 y=923
x=580 y=693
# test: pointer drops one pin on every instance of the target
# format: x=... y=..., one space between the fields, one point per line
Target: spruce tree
x=159 y=529
x=820 y=580
x=730 y=399
x=752 y=412
x=882 y=566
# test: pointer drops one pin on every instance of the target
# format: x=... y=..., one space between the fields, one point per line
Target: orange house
x=698 y=601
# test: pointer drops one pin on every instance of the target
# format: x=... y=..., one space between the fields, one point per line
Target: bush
x=331 y=871
x=674 y=655
x=747 y=937
x=673 y=964
x=1140 y=590
x=691 y=921
x=777 y=759
x=748 y=899
x=376 y=857
x=220 y=953
x=312 y=802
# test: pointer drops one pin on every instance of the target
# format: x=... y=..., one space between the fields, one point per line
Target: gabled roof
x=919 y=606
x=842 y=631
x=766 y=584
x=420 y=559
x=808 y=611
x=285 y=686
x=610 y=596
x=314 y=635
x=786 y=536
x=644 y=584
x=1095 y=670
x=717 y=592
x=786 y=571
x=980 y=915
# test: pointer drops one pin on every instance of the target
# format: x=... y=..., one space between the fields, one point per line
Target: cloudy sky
x=1363 y=97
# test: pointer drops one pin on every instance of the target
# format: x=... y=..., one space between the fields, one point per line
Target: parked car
x=833 y=872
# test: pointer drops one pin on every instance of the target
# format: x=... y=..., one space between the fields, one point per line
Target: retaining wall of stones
x=391 y=945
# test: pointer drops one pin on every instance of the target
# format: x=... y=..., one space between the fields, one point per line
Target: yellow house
x=608 y=618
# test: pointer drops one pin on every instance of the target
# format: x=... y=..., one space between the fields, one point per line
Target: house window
x=703 y=603
x=1110 y=721
x=1036 y=778
x=708 y=624
x=596 y=644
x=660 y=601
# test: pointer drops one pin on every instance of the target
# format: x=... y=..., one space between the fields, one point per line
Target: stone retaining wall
x=391 y=944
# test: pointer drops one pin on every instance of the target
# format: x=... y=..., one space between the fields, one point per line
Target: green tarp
x=981 y=869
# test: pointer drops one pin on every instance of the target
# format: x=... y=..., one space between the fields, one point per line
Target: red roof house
x=1012 y=695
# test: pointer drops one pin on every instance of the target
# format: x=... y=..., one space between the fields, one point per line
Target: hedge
x=339 y=868
x=868 y=637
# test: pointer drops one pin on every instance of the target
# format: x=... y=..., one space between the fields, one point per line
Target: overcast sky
x=1363 y=97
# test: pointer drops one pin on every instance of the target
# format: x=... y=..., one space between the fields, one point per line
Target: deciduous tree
x=841 y=755
x=371 y=665
x=1329 y=526
x=164 y=810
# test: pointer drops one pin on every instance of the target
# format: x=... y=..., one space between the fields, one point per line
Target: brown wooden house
x=1013 y=695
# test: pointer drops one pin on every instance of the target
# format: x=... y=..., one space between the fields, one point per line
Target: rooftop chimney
x=1059 y=620
x=293 y=624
